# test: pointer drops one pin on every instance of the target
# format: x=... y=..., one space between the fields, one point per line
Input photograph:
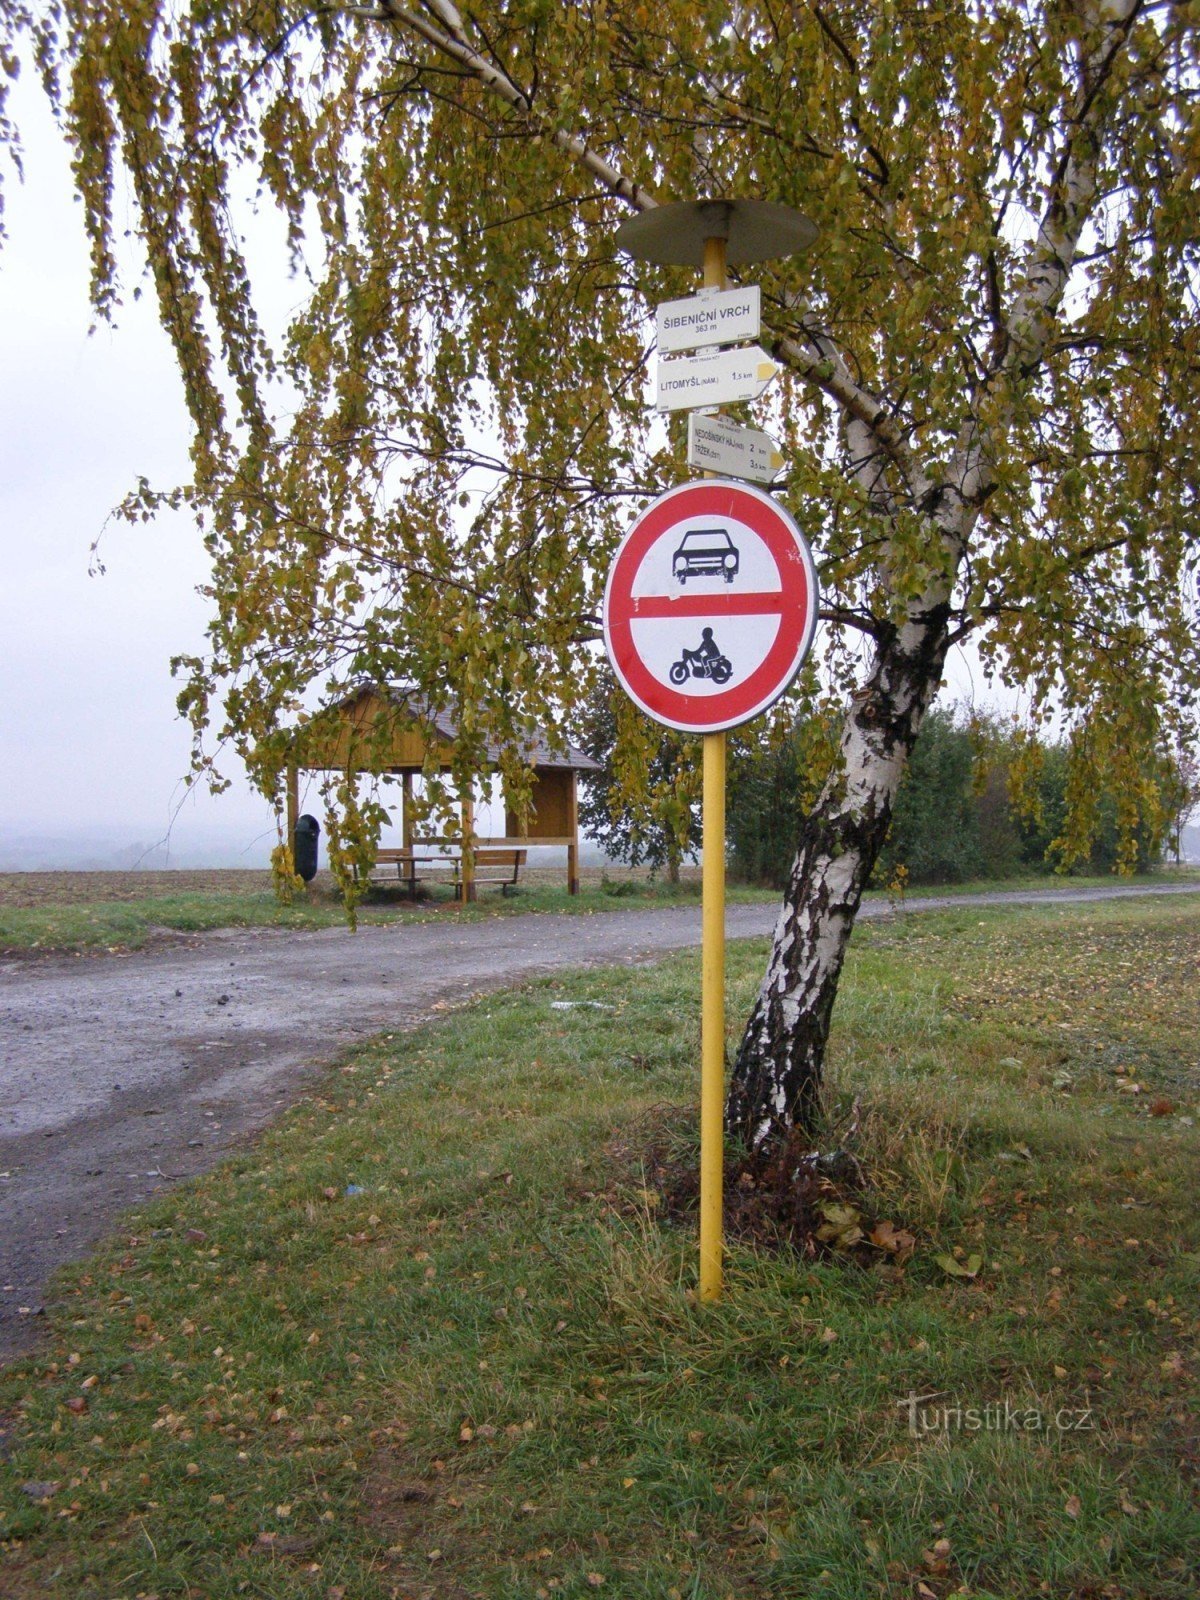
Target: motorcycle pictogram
x=706 y=661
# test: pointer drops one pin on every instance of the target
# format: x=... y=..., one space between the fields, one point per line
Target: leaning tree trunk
x=776 y=1077
x=673 y=859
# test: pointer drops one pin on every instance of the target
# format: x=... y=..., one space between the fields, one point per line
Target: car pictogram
x=705 y=553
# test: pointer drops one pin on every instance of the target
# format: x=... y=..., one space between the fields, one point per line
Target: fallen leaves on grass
x=897 y=1242
x=842 y=1227
x=790 y=1196
x=967 y=1268
x=938 y=1559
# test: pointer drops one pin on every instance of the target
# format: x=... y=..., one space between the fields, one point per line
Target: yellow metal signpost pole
x=712 y=234
x=712 y=964
x=712 y=1019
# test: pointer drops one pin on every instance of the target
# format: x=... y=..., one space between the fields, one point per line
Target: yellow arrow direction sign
x=717 y=379
x=715 y=445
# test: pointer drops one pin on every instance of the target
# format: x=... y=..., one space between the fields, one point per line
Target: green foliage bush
x=642 y=806
x=955 y=816
x=935 y=825
x=761 y=810
x=1040 y=835
x=776 y=769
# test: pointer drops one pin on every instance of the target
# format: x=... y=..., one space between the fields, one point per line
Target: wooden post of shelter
x=468 y=848
x=293 y=806
x=406 y=819
x=573 y=835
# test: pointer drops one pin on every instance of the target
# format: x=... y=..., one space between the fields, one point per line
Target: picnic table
x=411 y=864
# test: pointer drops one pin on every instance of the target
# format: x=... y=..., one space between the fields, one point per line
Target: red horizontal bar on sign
x=706 y=605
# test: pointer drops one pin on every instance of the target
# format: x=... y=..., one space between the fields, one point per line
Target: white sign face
x=710 y=605
x=715 y=445
x=716 y=316
x=713 y=380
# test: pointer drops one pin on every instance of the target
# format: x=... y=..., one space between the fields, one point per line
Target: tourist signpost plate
x=716 y=378
x=710 y=606
x=715 y=316
x=715 y=445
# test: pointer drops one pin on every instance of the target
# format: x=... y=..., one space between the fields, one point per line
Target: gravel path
x=122 y=1074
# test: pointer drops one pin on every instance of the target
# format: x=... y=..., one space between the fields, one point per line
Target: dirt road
x=120 y=1075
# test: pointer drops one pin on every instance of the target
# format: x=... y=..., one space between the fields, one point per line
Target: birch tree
x=420 y=469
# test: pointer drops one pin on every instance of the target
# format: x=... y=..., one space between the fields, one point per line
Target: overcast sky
x=88 y=729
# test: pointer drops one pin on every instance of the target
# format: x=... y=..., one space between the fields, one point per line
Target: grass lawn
x=433 y=1336
x=124 y=911
x=97 y=911
x=1031 y=882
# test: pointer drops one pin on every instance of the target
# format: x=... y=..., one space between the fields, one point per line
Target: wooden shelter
x=384 y=728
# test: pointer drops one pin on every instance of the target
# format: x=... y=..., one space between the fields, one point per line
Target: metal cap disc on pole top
x=753 y=230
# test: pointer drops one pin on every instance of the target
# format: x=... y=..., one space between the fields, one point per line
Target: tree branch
x=827 y=369
x=1070 y=197
x=456 y=45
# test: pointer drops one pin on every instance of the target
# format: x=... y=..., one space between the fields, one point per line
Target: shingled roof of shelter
x=537 y=749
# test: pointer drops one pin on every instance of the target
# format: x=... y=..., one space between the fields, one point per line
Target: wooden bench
x=494 y=866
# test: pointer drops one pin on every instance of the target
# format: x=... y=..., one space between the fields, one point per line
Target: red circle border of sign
x=693 y=713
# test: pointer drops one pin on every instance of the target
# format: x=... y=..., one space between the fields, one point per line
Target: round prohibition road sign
x=710 y=605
